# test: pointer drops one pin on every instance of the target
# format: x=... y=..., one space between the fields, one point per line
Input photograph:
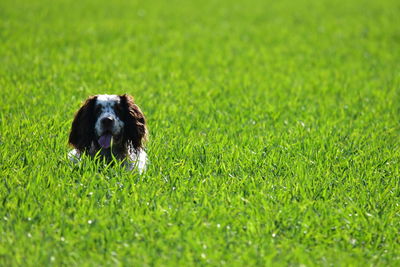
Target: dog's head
x=106 y=119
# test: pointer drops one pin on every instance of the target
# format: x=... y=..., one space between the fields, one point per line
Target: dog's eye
x=97 y=110
x=118 y=109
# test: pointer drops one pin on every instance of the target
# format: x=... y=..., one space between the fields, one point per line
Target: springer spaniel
x=110 y=126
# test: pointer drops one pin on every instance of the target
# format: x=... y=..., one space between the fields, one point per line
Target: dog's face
x=109 y=125
x=104 y=120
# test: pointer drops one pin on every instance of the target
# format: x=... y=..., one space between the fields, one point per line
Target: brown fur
x=135 y=124
x=82 y=130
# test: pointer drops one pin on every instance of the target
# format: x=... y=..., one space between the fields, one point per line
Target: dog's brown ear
x=82 y=130
x=135 y=129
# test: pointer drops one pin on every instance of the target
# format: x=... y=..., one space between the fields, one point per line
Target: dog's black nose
x=107 y=122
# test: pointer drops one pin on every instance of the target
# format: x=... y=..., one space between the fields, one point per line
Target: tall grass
x=274 y=133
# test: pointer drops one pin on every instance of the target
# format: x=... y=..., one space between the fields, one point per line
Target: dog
x=111 y=126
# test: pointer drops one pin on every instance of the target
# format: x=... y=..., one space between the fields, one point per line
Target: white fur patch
x=135 y=159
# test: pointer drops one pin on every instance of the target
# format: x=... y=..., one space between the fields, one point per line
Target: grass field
x=274 y=133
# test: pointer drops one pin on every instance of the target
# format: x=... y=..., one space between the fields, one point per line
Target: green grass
x=274 y=133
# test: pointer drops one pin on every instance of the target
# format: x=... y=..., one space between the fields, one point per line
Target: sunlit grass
x=274 y=133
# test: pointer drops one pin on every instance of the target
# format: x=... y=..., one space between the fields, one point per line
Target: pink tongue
x=105 y=140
